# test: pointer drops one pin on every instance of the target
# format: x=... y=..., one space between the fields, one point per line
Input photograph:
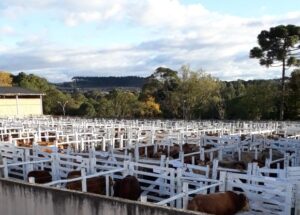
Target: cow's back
x=227 y=203
x=94 y=185
x=128 y=188
x=40 y=176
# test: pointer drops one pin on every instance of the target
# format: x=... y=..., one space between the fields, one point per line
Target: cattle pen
x=172 y=160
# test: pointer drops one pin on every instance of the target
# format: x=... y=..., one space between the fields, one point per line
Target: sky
x=60 y=39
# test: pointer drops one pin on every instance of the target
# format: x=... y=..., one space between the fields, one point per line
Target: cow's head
x=244 y=202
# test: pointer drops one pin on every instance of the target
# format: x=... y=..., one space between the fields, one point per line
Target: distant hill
x=104 y=83
x=132 y=83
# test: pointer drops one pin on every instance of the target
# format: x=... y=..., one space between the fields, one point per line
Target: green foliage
x=78 y=98
x=199 y=93
x=185 y=94
x=5 y=79
x=278 y=45
x=163 y=85
x=294 y=96
x=124 y=104
x=104 y=108
x=258 y=101
x=86 y=109
x=52 y=95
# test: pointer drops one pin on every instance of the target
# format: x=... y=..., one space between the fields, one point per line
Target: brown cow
x=186 y=149
x=266 y=154
x=127 y=188
x=174 y=151
x=227 y=203
x=40 y=176
x=239 y=165
x=246 y=157
x=95 y=185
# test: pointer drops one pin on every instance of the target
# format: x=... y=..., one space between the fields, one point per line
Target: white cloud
x=6 y=30
x=184 y=34
x=96 y=12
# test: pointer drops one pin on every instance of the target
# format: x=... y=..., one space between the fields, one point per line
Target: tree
x=294 y=95
x=278 y=47
x=86 y=109
x=163 y=85
x=52 y=95
x=149 y=108
x=79 y=98
x=104 y=108
x=259 y=101
x=124 y=104
x=5 y=79
x=199 y=93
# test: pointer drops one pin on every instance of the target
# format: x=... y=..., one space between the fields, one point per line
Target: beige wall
x=27 y=106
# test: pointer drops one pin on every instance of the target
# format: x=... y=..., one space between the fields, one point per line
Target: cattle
x=127 y=188
x=239 y=165
x=174 y=151
x=24 y=143
x=152 y=154
x=186 y=149
x=249 y=157
x=203 y=164
x=260 y=164
x=45 y=143
x=47 y=150
x=142 y=151
x=95 y=185
x=211 y=134
x=40 y=176
x=266 y=154
x=158 y=154
x=4 y=138
x=226 y=203
x=246 y=157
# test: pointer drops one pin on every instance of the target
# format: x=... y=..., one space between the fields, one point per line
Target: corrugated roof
x=17 y=91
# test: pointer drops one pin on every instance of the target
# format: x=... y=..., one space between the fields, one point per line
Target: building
x=17 y=101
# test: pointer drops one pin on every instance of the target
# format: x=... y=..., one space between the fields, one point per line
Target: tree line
x=170 y=94
x=105 y=82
